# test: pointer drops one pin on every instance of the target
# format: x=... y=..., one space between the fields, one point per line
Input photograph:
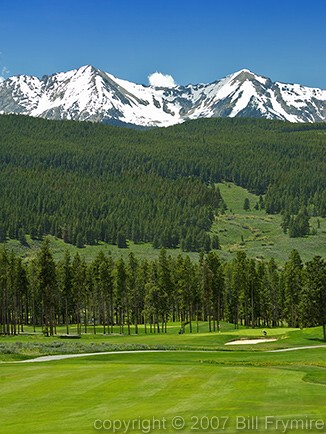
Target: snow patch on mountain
x=90 y=94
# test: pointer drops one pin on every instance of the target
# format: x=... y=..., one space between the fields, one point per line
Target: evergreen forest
x=127 y=293
x=85 y=182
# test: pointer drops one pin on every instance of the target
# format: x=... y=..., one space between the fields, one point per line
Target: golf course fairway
x=230 y=392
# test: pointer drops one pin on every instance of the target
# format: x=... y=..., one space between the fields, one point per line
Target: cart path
x=71 y=356
x=283 y=350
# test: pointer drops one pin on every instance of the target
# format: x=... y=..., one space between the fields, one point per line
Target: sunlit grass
x=260 y=235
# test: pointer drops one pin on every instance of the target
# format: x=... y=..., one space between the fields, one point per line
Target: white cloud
x=157 y=79
x=5 y=71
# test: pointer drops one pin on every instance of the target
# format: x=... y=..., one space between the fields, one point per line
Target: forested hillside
x=86 y=182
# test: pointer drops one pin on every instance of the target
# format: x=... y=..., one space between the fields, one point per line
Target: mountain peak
x=244 y=70
x=245 y=74
x=87 y=68
x=88 y=93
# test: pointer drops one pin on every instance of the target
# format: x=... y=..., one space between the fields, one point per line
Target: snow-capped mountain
x=90 y=94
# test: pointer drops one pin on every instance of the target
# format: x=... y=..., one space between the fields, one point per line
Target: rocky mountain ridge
x=90 y=94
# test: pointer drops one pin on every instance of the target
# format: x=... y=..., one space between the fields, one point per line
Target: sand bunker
x=251 y=341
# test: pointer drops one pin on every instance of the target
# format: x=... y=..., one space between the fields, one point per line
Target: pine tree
x=217 y=275
x=106 y=283
x=122 y=241
x=286 y=219
x=165 y=284
x=33 y=233
x=240 y=289
x=299 y=225
x=47 y=283
x=79 y=290
x=265 y=296
x=293 y=279
x=313 y=303
x=65 y=277
x=79 y=240
x=275 y=296
x=22 y=237
x=3 y=234
x=134 y=290
x=216 y=242
x=21 y=288
x=207 y=292
x=121 y=293
x=246 y=204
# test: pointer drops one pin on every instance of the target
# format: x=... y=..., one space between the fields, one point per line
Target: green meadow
x=193 y=383
x=89 y=252
x=259 y=234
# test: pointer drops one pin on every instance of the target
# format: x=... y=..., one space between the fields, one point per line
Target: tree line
x=86 y=183
x=126 y=293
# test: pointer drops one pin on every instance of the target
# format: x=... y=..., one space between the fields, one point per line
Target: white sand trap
x=251 y=341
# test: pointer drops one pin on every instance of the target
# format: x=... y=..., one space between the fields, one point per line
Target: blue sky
x=194 y=41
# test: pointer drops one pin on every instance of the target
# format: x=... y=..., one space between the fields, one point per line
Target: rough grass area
x=260 y=235
x=29 y=344
x=58 y=248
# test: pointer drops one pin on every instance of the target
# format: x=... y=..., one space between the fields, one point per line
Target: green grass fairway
x=203 y=388
x=69 y=396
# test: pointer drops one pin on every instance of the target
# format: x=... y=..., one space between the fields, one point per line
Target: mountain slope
x=90 y=94
x=89 y=182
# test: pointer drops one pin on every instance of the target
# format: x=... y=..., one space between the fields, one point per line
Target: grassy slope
x=68 y=396
x=262 y=234
x=58 y=247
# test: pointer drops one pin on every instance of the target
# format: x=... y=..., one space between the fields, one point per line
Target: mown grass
x=199 y=379
x=69 y=396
